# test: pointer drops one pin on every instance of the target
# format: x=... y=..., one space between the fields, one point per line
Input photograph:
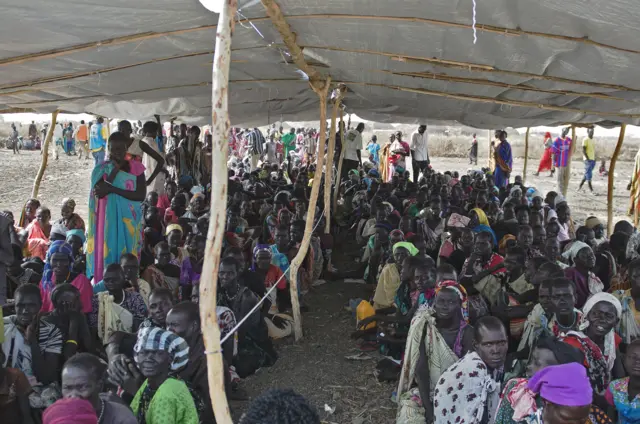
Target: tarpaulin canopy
x=540 y=62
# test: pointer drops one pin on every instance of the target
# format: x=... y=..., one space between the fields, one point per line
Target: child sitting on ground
x=603 y=169
x=14 y=394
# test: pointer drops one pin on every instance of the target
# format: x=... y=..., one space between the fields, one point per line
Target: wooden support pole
x=490 y=159
x=526 y=156
x=612 y=169
x=328 y=175
x=220 y=127
x=567 y=171
x=340 y=159
x=322 y=91
x=45 y=156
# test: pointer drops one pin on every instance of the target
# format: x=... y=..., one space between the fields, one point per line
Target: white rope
x=246 y=317
x=475 y=35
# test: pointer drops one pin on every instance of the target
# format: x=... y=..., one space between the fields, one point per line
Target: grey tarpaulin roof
x=140 y=57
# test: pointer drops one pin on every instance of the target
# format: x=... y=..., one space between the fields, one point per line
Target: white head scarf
x=609 y=339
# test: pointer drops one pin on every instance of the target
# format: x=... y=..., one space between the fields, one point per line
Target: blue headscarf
x=486 y=229
x=77 y=233
x=59 y=246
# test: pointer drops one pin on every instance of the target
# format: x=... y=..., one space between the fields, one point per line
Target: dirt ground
x=316 y=366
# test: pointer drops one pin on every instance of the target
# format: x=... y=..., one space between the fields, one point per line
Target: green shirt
x=171 y=404
x=289 y=143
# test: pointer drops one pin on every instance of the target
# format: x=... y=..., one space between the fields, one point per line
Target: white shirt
x=57 y=132
x=352 y=144
x=419 y=144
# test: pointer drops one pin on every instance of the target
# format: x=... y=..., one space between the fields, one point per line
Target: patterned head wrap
x=457 y=221
x=77 y=233
x=59 y=229
x=59 y=246
x=396 y=233
x=70 y=203
x=592 y=222
x=462 y=293
x=78 y=411
x=156 y=338
x=261 y=248
x=173 y=227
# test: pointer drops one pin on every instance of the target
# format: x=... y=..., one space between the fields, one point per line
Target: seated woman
x=70 y=219
x=630 y=299
x=84 y=377
x=162 y=398
x=175 y=240
x=116 y=309
x=68 y=317
x=162 y=273
x=76 y=239
x=484 y=270
x=115 y=214
x=584 y=261
x=255 y=349
x=389 y=280
x=57 y=271
x=38 y=233
x=28 y=214
x=192 y=266
x=520 y=403
x=164 y=200
x=622 y=394
x=437 y=338
x=598 y=340
x=279 y=325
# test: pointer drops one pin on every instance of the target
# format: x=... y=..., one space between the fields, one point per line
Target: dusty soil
x=316 y=366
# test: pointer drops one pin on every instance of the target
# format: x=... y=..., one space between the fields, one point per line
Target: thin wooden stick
x=526 y=156
x=45 y=155
x=490 y=83
x=311 y=212
x=470 y=66
x=484 y=99
x=610 y=187
x=490 y=159
x=328 y=177
x=220 y=126
x=340 y=159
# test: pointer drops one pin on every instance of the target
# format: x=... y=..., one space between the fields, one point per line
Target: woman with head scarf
x=479 y=222
x=623 y=394
x=38 y=233
x=74 y=410
x=630 y=300
x=584 y=261
x=598 y=340
x=162 y=398
x=389 y=280
x=518 y=403
x=58 y=270
x=70 y=219
x=546 y=162
x=483 y=270
x=438 y=337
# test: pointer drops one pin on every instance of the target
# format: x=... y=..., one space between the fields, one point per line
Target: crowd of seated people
x=491 y=305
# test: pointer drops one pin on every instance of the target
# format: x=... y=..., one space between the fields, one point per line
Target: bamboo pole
x=610 y=187
x=567 y=174
x=340 y=159
x=526 y=156
x=328 y=176
x=469 y=66
x=322 y=92
x=490 y=151
x=220 y=127
x=45 y=156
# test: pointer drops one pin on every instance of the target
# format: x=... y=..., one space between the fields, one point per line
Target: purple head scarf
x=566 y=385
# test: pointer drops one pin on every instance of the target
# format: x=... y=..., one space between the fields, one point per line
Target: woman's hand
x=101 y=189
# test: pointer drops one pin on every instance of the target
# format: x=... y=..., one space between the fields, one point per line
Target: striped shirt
x=18 y=350
x=561 y=149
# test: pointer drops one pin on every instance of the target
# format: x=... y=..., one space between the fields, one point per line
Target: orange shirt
x=83 y=133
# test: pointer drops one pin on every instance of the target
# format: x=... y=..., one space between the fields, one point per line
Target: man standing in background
x=98 y=141
x=589 y=157
x=82 y=139
x=289 y=142
x=419 y=151
x=352 y=155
